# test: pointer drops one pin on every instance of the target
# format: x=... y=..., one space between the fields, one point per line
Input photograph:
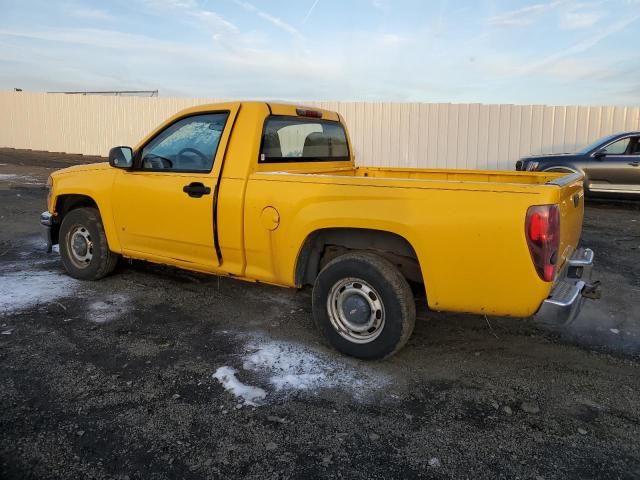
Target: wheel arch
x=322 y=245
x=66 y=202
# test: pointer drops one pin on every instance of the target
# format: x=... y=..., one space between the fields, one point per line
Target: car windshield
x=596 y=144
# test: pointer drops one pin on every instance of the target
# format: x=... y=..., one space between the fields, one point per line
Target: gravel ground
x=125 y=378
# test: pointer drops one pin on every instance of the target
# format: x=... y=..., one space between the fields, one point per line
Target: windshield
x=596 y=144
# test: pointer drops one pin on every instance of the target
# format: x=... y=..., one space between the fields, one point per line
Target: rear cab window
x=287 y=139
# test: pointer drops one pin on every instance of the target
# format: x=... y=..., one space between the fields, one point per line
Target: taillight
x=542 y=229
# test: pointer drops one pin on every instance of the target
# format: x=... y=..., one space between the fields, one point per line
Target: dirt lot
x=114 y=379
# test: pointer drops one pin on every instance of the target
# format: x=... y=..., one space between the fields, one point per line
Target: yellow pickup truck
x=271 y=193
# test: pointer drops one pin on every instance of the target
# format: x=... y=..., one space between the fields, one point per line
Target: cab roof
x=276 y=108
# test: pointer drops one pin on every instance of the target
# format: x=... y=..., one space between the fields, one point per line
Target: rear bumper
x=570 y=290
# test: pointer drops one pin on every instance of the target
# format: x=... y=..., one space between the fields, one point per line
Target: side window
x=636 y=147
x=187 y=145
x=295 y=139
x=618 y=148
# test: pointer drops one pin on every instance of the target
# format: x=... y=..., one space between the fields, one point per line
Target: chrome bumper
x=46 y=220
x=570 y=290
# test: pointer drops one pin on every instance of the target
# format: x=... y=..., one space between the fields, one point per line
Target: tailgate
x=571 y=205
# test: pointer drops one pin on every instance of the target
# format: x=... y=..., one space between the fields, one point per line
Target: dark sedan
x=611 y=165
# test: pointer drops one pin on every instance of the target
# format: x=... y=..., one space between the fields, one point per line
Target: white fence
x=383 y=134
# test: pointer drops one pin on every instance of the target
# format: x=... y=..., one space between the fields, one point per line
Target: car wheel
x=363 y=306
x=83 y=245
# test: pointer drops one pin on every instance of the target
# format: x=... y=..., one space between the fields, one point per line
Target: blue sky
x=553 y=52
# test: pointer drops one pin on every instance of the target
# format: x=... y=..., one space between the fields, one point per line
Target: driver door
x=164 y=206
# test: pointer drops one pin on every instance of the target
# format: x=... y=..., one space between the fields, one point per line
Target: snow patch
x=290 y=366
x=27 y=180
x=108 y=310
x=248 y=394
x=26 y=289
x=283 y=367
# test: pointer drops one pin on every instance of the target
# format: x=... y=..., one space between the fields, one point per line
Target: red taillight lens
x=542 y=229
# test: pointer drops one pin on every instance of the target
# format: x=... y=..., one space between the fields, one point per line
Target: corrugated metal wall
x=383 y=134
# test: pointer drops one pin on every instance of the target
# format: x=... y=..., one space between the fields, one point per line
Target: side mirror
x=600 y=154
x=121 y=157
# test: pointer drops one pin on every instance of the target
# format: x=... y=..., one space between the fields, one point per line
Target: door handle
x=196 y=190
x=635 y=164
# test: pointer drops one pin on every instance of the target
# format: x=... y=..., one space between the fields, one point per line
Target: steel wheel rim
x=356 y=310
x=80 y=246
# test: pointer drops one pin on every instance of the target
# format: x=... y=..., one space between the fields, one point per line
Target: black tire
x=390 y=290
x=86 y=222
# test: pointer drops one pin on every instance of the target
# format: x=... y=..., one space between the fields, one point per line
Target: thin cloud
x=581 y=46
x=90 y=13
x=190 y=8
x=170 y=3
x=391 y=39
x=575 y=20
x=306 y=17
x=249 y=7
x=244 y=61
x=523 y=16
x=213 y=19
x=92 y=37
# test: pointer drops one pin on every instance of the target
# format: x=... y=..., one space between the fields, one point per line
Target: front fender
x=97 y=186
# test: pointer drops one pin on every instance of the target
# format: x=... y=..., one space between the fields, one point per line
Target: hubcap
x=356 y=310
x=80 y=246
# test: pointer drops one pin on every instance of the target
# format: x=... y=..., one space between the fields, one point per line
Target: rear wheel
x=83 y=245
x=363 y=306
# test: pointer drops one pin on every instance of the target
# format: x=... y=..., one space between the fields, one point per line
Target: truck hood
x=82 y=168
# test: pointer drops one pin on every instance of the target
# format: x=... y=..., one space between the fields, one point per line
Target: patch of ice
x=283 y=367
x=291 y=366
x=23 y=179
x=25 y=289
x=109 y=309
x=248 y=394
x=288 y=366
x=20 y=179
x=35 y=244
x=298 y=381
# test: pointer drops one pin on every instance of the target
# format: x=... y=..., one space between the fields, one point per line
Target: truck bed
x=467 y=227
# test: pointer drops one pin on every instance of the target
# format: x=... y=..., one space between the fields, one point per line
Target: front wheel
x=83 y=245
x=363 y=306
